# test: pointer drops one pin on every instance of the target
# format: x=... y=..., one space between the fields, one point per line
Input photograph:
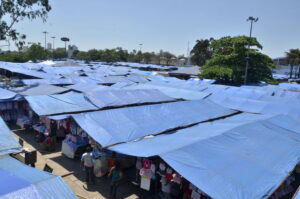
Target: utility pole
x=45 y=32
x=251 y=19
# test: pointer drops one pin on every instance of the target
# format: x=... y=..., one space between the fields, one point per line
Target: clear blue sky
x=167 y=24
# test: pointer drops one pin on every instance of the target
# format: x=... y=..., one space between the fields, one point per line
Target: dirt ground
x=62 y=165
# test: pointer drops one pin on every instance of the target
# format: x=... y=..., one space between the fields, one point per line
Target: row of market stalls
x=21 y=181
x=210 y=141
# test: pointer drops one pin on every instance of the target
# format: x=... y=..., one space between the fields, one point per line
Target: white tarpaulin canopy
x=59 y=104
x=227 y=159
x=126 y=124
x=19 y=181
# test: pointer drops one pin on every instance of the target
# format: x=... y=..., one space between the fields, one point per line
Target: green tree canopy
x=13 y=11
x=231 y=53
x=60 y=53
x=37 y=52
x=293 y=59
x=201 y=51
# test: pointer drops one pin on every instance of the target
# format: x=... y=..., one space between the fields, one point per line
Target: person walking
x=87 y=161
x=115 y=175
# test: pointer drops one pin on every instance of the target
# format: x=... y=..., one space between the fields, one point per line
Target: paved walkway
x=62 y=165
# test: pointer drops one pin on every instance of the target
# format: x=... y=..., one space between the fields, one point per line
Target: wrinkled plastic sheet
x=126 y=124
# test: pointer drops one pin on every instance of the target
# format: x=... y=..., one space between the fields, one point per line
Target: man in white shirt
x=87 y=161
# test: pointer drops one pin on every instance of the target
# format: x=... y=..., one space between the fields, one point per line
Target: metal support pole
x=252 y=19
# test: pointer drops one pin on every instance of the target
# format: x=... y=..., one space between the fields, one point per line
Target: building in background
x=71 y=49
x=49 y=46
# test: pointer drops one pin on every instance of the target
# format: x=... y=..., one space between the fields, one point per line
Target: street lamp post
x=141 y=45
x=251 y=19
x=45 y=32
x=53 y=38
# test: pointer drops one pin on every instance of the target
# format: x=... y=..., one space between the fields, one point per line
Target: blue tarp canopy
x=126 y=124
x=8 y=143
x=271 y=106
x=228 y=160
x=59 y=104
x=114 y=97
x=42 y=89
x=6 y=95
x=19 y=181
x=86 y=87
x=47 y=81
x=173 y=92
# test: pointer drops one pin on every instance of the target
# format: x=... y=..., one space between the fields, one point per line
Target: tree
x=293 y=59
x=37 y=52
x=60 y=53
x=13 y=11
x=13 y=57
x=231 y=53
x=81 y=55
x=166 y=56
x=93 y=55
x=146 y=57
x=201 y=51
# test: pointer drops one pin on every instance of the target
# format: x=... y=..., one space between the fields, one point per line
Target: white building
x=49 y=46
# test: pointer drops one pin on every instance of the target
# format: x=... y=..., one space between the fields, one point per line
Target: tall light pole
x=45 y=32
x=251 y=19
x=53 y=43
x=141 y=45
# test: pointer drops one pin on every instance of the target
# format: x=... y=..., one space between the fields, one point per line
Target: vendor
x=48 y=144
x=53 y=131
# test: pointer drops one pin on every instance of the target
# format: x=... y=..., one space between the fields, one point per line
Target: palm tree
x=293 y=59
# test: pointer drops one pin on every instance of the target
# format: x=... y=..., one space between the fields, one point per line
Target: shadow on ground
x=125 y=189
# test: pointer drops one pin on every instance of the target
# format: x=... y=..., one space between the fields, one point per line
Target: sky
x=167 y=24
